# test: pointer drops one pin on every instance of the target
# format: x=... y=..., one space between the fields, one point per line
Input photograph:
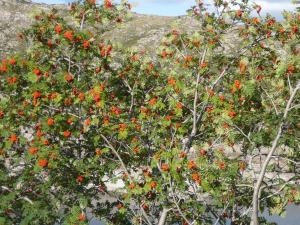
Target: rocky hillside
x=16 y=15
x=144 y=31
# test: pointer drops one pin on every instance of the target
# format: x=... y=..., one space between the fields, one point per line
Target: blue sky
x=179 y=7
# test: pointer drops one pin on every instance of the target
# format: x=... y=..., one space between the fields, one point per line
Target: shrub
x=78 y=112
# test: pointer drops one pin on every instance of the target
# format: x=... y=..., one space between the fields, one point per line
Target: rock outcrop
x=143 y=31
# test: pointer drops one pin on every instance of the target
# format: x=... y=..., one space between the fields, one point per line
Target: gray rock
x=143 y=31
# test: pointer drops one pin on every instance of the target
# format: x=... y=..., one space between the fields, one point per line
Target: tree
x=78 y=112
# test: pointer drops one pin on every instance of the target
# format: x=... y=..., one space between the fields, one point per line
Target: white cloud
x=268 y=6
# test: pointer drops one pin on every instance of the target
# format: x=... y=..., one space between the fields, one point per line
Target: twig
x=271 y=100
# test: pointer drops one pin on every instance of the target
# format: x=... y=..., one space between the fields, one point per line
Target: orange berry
x=122 y=126
x=243 y=67
x=256 y=20
x=86 y=44
x=115 y=110
x=33 y=150
x=68 y=35
x=37 y=72
x=192 y=165
x=171 y=81
x=239 y=13
x=37 y=94
x=81 y=96
x=131 y=186
x=70 y=121
x=182 y=154
x=69 y=78
x=13 y=138
x=291 y=68
x=188 y=58
x=242 y=166
x=232 y=114
x=12 y=61
x=39 y=133
x=222 y=97
x=81 y=217
x=46 y=142
x=165 y=167
x=108 y=4
x=98 y=70
x=50 y=122
x=43 y=162
x=153 y=184
x=211 y=93
x=168 y=117
x=58 y=28
x=79 y=179
x=179 y=105
x=145 y=206
x=203 y=65
x=67 y=133
x=152 y=101
x=87 y=122
x=237 y=84
x=98 y=152
x=202 y=152
x=221 y=165
x=196 y=178
x=12 y=80
x=136 y=149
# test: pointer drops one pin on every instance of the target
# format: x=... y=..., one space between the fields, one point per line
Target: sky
x=179 y=7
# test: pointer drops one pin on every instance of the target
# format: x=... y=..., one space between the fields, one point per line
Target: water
x=292 y=216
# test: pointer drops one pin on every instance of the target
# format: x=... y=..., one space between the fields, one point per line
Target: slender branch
x=69 y=65
x=271 y=100
x=294 y=107
x=277 y=192
x=177 y=206
x=256 y=193
x=242 y=132
x=217 y=221
x=125 y=169
x=131 y=94
x=163 y=216
x=188 y=140
x=27 y=200
x=194 y=130
x=61 y=110
x=21 y=197
x=82 y=22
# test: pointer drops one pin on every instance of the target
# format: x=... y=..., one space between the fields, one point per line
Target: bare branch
x=125 y=169
x=271 y=100
x=194 y=130
x=256 y=193
x=163 y=216
x=177 y=206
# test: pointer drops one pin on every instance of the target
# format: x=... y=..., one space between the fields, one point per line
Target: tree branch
x=163 y=216
x=255 y=199
x=125 y=169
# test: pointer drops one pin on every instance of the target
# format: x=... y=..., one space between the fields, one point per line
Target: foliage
x=77 y=112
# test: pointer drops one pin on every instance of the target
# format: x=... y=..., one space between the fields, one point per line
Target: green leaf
x=33 y=78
